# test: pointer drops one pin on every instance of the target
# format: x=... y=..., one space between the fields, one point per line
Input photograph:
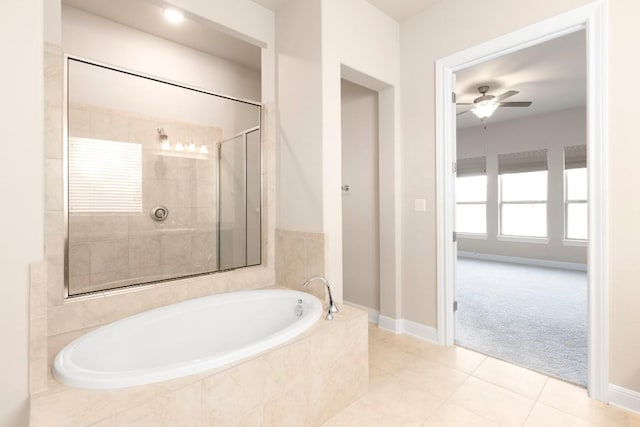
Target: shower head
x=163 y=135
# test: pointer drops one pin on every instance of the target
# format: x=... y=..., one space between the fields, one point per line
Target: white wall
x=360 y=205
x=320 y=41
x=299 y=148
x=22 y=194
x=361 y=43
x=551 y=131
x=92 y=37
x=624 y=199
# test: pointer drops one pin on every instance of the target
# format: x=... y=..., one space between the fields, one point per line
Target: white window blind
x=473 y=166
x=104 y=176
x=575 y=157
x=527 y=161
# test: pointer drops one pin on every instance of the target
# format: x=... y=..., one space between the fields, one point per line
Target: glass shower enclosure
x=162 y=180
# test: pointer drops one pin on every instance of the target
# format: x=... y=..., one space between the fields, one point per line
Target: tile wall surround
x=304 y=382
x=53 y=318
x=38 y=372
x=108 y=250
x=300 y=255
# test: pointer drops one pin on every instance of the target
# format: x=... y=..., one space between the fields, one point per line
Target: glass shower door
x=239 y=200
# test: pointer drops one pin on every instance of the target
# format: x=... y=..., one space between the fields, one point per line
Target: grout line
x=535 y=402
x=542 y=389
x=479 y=364
x=440 y=405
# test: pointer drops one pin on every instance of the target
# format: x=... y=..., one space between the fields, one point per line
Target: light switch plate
x=420 y=205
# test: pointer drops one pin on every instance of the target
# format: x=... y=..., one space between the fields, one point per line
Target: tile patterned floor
x=414 y=383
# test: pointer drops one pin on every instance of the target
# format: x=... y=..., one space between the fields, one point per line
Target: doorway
x=360 y=197
x=521 y=208
x=591 y=19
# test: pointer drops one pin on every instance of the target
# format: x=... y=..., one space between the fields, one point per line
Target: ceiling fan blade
x=506 y=95
x=516 y=104
x=464 y=103
x=462 y=112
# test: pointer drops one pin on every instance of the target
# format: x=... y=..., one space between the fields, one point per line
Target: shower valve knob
x=159 y=213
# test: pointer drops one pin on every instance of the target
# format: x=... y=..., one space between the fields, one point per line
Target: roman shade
x=575 y=157
x=526 y=161
x=472 y=166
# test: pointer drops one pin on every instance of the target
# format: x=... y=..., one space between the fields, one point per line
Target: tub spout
x=332 y=307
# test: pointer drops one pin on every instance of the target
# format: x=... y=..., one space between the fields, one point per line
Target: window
x=523 y=194
x=575 y=179
x=104 y=176
x=471 y=196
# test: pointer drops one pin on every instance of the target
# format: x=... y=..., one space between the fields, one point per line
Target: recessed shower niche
x=163 y=181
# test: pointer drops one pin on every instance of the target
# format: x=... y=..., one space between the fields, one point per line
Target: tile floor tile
x=449 y=415
x=377 y=373
x=391 y=403
x=433 y=377
x=458 y=358
x=386 y=355
x=515 y=378
x=574 y=400
x=544 y=416
x=492 y=402
x=412 y=345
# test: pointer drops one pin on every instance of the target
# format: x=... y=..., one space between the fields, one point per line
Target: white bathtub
x=185 y=338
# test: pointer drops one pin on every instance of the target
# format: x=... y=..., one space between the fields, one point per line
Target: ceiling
x=397 y=9
x=146 y=16
x=552 y=75
x=401 y=9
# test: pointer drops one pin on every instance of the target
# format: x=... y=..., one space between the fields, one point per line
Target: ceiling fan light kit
x=485 y=109
x=485 y=105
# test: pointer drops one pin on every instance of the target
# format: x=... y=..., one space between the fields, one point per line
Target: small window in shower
x=104 y=176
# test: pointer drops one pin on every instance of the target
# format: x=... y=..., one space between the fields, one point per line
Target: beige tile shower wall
x=302 y=383
x=50 y=271
x=38 y=372
x=108 y=250
x=74 y=315
x=300 y=255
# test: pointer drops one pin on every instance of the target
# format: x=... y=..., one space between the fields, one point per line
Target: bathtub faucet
x=332 y=307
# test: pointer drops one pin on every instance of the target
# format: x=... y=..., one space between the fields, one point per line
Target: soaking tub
x=185 y=338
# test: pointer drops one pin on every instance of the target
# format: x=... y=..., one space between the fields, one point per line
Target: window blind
x=472 y=166
x=104 y=176
x=527 y=161
x=575 y=157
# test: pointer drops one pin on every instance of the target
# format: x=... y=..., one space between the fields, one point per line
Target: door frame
x=593 y=19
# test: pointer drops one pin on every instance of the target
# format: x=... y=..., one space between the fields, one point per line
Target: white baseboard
x=409 y=327
x=418 y=330
x=624 y=398
x=374 y=315
x=526 y=261
x=389 y=324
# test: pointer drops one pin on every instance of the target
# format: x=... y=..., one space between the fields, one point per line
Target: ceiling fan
x=485 y=105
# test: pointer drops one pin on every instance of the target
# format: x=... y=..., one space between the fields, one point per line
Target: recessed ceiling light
x=174 y=16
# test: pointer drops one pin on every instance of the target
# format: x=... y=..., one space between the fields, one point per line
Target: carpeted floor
x=535 y=317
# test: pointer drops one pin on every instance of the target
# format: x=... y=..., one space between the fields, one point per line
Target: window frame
x=567 y=202
x=501 y=203
x=486 y=197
